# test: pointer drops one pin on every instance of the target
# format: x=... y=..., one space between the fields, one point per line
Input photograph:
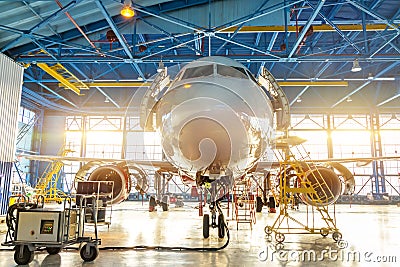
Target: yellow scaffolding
x=293 y=181
x=47 y=184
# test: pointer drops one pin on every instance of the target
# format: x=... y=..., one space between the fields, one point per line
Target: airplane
x=216 y=121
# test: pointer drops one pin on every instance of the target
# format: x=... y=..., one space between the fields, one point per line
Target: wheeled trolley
x=32 y=227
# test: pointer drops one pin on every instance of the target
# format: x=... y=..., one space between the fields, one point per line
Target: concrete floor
x=371 y=237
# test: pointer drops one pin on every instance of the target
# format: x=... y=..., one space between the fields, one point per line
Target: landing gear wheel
x=53 y=250
x=206 y=225
x=279 y=237
x=324 y=232
x=164 y=206
x=152 y=204
x=268 y=230
x=337 y=236
x=23 y=258
x=259 y=204
x=221 y=226
x=89 y=255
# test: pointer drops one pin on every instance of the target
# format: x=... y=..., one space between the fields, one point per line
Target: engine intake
x=325 y=183
x=117 y=174
x=120 y=174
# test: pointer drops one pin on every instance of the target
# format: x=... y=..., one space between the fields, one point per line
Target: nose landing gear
x=216 y=221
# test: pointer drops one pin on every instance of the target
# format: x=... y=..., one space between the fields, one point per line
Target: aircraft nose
x=204 y=141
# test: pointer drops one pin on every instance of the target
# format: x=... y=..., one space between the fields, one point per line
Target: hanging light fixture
x=298 y=100
x=127 y=10
x=348 y=99
x=356 y=66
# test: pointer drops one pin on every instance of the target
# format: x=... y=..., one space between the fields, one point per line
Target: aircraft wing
x=263 y=165
x=155 y=164
x=360 y=161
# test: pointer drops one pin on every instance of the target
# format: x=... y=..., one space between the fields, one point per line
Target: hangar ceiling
x=308 y=45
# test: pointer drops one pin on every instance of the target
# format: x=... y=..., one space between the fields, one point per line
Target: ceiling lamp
x=348 y=99
x=127 y=10
x=356 y=66
x=298 y=100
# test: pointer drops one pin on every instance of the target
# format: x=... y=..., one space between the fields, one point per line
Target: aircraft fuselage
x=214 y=119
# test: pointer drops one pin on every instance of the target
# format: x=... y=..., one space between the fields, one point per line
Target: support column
x=378 y=174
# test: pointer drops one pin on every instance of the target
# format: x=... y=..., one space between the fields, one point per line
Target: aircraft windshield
x=206 y=70
x=231 y=71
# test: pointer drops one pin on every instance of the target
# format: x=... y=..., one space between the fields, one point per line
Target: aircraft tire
x=164 y=206
x=259 y=204
x=206 y=225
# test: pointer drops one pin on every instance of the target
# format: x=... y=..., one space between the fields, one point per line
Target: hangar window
x=230 y=71
x=200 y=71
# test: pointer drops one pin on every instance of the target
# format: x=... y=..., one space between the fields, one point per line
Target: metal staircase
x=244 y=204
x=295 y=179
x=47 y=184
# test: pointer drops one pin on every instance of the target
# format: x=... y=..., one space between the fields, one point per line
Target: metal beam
x=184 y=24
x=40 y=17
x=101 y=91
x=383 y=45
x=316 y=28
x=170 y=35
x=120 y=37
x=40 y=24
x=337 y=29
x=281 y=83
x=306 y=27
x=299 y=95
x=252 y=17
x=50 y=90
x=108 y=97
x=240 y=26
x=170 y=48
x=373 y=14
x=314 y=83
x=388 y=100
x=247 y=46
x=391 y=66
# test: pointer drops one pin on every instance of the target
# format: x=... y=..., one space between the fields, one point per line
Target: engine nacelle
x=117 y=174
x=121 y=174
x=326 y=184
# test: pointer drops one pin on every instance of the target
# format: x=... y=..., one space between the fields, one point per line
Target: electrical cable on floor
x=11 y=221
x=161 y=248
x=167 y=248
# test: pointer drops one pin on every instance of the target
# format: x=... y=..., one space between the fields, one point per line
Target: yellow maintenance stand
x=300 y=180
x=47 y=184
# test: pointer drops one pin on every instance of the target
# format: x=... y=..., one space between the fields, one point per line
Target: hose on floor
x=168 y=248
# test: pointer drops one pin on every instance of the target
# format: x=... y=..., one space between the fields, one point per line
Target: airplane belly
x=211 y=128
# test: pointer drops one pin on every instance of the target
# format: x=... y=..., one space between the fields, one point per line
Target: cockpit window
x=206 y=70
x=231 y=71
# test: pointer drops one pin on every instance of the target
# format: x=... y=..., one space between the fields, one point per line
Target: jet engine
x=325 y=183
x=120 y=174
